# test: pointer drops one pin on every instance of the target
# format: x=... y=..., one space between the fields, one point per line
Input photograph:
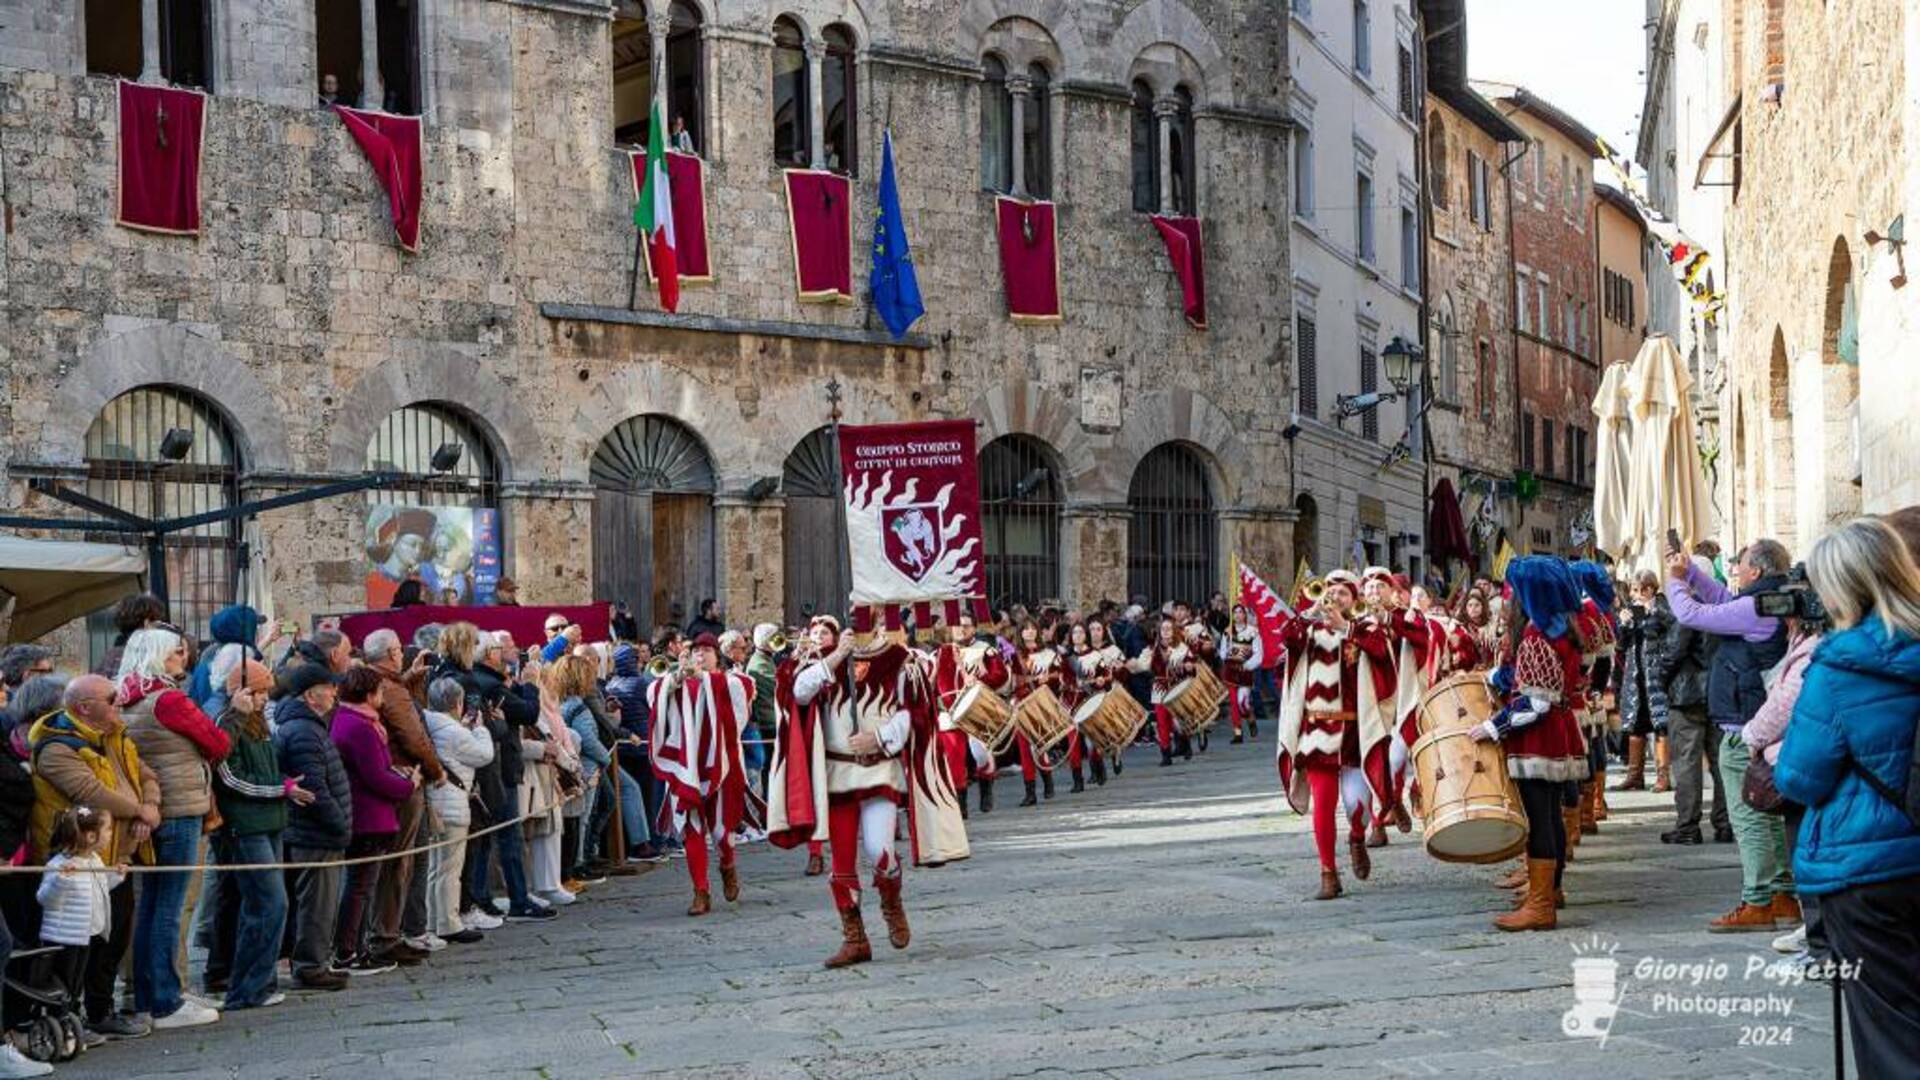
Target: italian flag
x=653 y=214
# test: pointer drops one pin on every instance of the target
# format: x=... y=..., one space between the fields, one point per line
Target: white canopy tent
x=49 y=583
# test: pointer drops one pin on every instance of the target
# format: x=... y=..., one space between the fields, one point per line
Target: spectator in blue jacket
x=628 y=690
x=1848 y=757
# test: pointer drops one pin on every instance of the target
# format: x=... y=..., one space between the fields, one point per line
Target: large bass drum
x=983 y=714
x=1110 y=720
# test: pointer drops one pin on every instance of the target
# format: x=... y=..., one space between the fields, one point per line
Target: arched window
x=1020 y=514
x=1036 y=135
x=1437 y=176
x=1170 y=537
x=653 y=519
x=1306 y=534
x=114 y=35
x=686 y=75
x=1146 y=151
x=792 y=128
x=996 y=127
x=407 y=442
x=1446 y=349
x=127 y=468
x=817 y=577
x=839 y=102
x=1180 y=148
x=632 y=47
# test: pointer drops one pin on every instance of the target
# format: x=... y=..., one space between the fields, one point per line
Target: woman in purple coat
x=378 y=788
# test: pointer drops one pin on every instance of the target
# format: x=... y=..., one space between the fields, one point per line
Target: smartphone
x=1674 y=547
x=289 y=628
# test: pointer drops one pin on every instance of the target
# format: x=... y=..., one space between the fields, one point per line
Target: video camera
x=1794 y=600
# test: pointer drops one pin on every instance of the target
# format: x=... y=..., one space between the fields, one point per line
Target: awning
x=53 y=582
x=1719 y=150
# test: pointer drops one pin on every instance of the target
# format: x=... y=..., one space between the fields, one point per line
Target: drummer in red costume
x=1093 y=671
x=1236 y=671
x=960 y=664
x=1544 y=748
x=699 y=713
x=1335 y=717
x=1172 y=662
x=1039 y=664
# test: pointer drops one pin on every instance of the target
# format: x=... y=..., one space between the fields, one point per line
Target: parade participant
x=1039 y=664
x=1597 y=632
x=1476 y=617
x=700 y=714
x=1241 y=635
x=1114 y=664
x=850 y=722
x=1093 y=675
x=1334 y=721
x=959 y=664
x=1409 y=644
x=1539 y=727
x=1172 y=663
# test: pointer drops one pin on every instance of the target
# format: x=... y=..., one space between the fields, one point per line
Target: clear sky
x=1585 y=56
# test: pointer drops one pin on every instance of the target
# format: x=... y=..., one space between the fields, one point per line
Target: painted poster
x=913 y=511
x=452 y=551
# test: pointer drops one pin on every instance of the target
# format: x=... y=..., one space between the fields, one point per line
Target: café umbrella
x=1666 y=487
x=1613 y=456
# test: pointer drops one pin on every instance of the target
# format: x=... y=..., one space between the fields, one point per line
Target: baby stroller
x=49 y=1027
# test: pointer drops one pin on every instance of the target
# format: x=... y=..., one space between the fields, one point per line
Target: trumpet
x=1313 y=589
x=660 y=667
x=777 y=643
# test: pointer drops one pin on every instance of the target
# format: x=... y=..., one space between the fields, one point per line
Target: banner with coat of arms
x=913 y=512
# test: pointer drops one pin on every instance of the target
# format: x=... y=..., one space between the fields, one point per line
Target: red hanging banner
x=1029 y=259
x=687 y=180
x=394 y=149
x=160 y=131
x=1188 y=256
x=913 y=512
x=820 y=220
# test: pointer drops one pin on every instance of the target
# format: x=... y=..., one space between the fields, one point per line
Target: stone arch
x=441 y=374
x=1827 y=398
x=978 y=17
x=1020 y=43
x=708 y=9
x=165 y=354
x=1173 y=23
x=1027 y=407
x=712 y=415
x=1780 y=476
x=1177 y=415
x=812 y=16
x=789 y=412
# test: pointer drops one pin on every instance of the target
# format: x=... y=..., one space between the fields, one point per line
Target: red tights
x=844 y=845
x=695 y=843
x=1323 y=788
x=1163 y=727
x=1029 y=768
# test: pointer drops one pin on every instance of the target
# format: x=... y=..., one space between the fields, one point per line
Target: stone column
x=1020 y=89
x=1164 y=110
x=1093 y=553
x=373 y=94
x=548 y=537
x=657 y=26
x=816 y=123
x=150 y=41
x=1262 y=537
x=750 y=558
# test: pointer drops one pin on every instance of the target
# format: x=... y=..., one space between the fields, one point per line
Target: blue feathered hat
x=1596 y=582
x=1546 y=591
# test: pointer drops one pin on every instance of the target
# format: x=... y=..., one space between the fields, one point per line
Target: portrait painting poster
x=913 y=511
x=435 y=545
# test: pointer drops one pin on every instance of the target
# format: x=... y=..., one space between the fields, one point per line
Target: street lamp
x=1402 y=360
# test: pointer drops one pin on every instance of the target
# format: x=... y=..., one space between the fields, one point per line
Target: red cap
x=707 y=641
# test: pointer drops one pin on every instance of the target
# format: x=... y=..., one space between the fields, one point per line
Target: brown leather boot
x=1401 y=819
x=1357 y=855
x=1514 y=880
x=816 y=865
x=730 y=882
x=1329 y=885
x=1599 y=800
x=1536 y=908
x=1570 y=819
x=1376 y=834
x=1662 y=766
x=1636 y=778
x=854 y=947
x=702 y=903
x=1588 y=824
x=894 y=912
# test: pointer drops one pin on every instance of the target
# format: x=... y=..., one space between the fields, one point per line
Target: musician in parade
x=700 y=715
x=1093 y=675
x=1115 y=671
x=1335 y=721
x=1172 y=662
x=1539 y=728
x=1237 y=672
x=1476 y=619
x=1039 y=664
x=1598 y=634
x=1383 y=609
x=961 y=663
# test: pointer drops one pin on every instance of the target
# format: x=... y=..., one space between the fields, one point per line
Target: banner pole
x=844 y=555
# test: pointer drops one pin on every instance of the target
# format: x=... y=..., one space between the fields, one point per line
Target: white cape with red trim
x=1374 y=716
x=697 y=728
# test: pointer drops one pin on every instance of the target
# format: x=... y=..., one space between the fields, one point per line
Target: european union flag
x=895 y=288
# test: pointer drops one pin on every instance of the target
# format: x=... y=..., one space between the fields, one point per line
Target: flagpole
x=633 y=290
x=843 y=556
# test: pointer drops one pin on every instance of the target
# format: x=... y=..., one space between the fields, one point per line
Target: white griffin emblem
x=905 y=547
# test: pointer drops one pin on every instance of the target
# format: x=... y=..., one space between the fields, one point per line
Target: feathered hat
x=1546 y=591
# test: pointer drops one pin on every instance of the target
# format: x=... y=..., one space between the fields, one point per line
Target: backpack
x=1909 y=803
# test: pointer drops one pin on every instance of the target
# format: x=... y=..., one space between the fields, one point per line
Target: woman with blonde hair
x=1848 y=757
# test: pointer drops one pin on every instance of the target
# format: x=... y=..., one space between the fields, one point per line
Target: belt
x=1347 y=715
x=858 y=759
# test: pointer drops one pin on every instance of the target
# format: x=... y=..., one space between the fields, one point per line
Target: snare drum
x=1472 y=809
x=1110 y=720
x=984 y=715
x=1195 y=703
x=1460 y=701
x=1042 y=719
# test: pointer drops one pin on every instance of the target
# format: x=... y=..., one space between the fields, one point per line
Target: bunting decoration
x=820 y=221
x=394 y=148
x=687 y=184
x=1184 y=250
x=1685 y=259
x=160 y=133
x=1029 y=259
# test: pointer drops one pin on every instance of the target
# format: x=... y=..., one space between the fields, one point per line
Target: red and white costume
x=1597 y=646
x=697 y=724
x=1539 y=727
x=957 y=669
x=1094 y=670
x=1236 y=670
x=1045 y=666
x=1336 y=718
x=1171 y=666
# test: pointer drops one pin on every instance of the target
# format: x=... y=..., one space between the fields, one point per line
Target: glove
x=1485 y=732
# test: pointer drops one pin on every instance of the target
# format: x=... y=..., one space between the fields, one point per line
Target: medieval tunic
x=957 y=669
x=697 y=726
x=1337 y=708
x=1538 y=726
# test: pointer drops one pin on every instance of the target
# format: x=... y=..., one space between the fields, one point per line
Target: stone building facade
x=1620 y=272
x=294 y=330
x=1556 y=346
x=1817 y=152
x=1473 y=422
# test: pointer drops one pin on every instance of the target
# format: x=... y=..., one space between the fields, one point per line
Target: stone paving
x=1154 y=927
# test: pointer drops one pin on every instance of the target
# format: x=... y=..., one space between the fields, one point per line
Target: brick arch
x=1179 y=416
x=170 y=355
x=435 y=373
x=710 y=413
x=1056 y=17
x=1027 y=407
x=1173 y=23
x=790 y=411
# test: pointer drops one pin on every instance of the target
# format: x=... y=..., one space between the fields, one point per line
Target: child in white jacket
x=74 y=892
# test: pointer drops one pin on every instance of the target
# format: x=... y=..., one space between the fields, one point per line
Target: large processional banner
x=913 y=512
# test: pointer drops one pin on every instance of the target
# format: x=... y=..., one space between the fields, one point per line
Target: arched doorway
x=1306 y=531
x=817 y=577
x=653 y=520
x=1779 y=480
x=1837 y=498
x=1020 y=502
x=127 y=468
x=1171 y=536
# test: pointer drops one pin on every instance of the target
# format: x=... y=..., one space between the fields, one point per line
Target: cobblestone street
x=1153 y=927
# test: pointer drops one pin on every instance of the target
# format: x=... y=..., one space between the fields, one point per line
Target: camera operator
x=1641 y=687
x=1749 y=644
